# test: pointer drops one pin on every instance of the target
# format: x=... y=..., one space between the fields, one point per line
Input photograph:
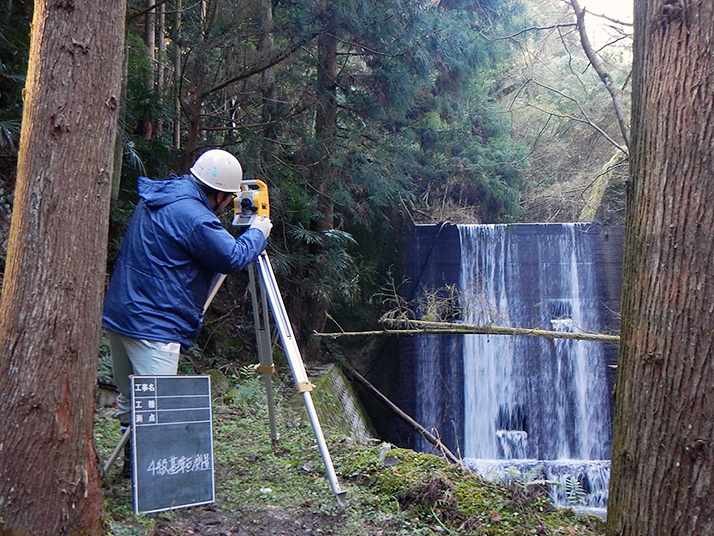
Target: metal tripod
x=265 y=295
x=269 y=289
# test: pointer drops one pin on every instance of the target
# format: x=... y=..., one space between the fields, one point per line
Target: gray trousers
x=141 y=357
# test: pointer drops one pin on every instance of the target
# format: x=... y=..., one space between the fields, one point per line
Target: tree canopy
x=362 y=117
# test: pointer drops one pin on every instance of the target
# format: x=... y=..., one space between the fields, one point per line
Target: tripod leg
x=217 y=282
x=115 y=453
x=262 y=333
x=297 y=367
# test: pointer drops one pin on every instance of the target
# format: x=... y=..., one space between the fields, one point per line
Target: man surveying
x=173 y=247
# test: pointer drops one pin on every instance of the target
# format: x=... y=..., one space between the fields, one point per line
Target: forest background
x=364 y=118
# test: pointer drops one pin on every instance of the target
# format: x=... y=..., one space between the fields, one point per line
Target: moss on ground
x=263 y=489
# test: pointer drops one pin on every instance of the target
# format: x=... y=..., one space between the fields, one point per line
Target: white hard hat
x=218 y=169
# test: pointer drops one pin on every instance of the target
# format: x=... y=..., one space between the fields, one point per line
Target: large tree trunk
x=54 y=279
x=663 y=445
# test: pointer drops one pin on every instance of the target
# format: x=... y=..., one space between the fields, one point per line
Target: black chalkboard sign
x=172 y=442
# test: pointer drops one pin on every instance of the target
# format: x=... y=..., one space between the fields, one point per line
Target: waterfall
x=524 y=397
x=526 y=401
x=553 y=390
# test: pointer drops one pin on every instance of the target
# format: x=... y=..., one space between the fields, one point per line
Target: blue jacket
x=172 y=249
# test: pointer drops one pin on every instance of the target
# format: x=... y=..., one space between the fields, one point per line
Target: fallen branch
x=417 y=327
x=426 y=434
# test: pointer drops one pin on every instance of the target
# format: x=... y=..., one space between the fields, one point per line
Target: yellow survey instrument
x=251 y=202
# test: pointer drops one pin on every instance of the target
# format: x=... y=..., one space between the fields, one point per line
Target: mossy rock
x=337 y=405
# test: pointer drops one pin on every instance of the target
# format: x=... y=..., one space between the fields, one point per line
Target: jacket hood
x=159 y=193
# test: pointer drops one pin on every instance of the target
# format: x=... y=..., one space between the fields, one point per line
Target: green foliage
x=417 y=136
x=9 y=136
x=147 y=149
x=132 y=158
x=325 y=253
x=104 y=362
x=14 y=52
x=524 y=480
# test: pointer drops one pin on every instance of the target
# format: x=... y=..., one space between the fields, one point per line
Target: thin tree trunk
x=150 y=40
x=194 y=128
x=54 y=279
x=160 y=63
x=663 y=442
x=147 y=125
x=177 y=78
x=267 y=81
x=323 y=171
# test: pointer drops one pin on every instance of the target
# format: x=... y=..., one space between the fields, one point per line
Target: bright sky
x=616 y=9
x=599 y=29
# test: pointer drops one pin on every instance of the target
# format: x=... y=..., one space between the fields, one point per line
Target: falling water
x=530 y=400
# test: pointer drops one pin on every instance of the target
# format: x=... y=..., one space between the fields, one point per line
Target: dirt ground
x=271 y=521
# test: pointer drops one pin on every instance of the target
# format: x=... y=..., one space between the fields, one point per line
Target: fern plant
x=574 y=491
x=523 y=480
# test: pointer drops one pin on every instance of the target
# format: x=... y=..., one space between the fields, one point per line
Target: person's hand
x=263 y=224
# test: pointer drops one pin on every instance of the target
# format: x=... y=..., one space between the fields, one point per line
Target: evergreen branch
x=259 y=67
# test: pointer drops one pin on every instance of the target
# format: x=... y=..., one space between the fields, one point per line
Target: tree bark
x=54 y=278
x=663 y=442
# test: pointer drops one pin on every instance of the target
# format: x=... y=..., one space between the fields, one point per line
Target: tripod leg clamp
x=266 y=369
x=304 y=387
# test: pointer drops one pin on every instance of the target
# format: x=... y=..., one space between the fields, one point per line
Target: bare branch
x=585 y=118
x=534 y=29
x=143 y=12
x=415 y=327
x=610 y=19
x=618 y=98
x=426 y=434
